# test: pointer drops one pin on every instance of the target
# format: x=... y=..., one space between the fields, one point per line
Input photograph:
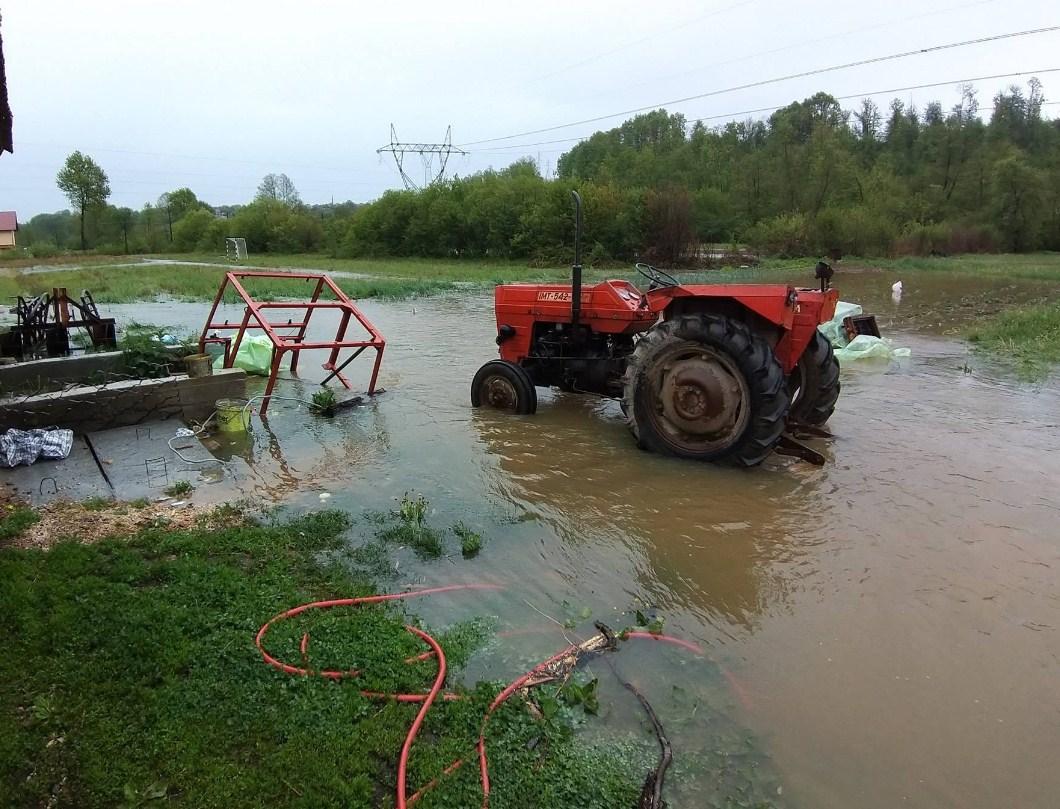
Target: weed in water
x=182 y=488
x=412 y=529
x=470 y=542
x=324 y=402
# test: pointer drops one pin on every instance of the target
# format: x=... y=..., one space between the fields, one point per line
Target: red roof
x=8 y=220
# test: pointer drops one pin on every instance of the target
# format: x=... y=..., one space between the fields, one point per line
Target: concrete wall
x=121 y=404
x=36 y=374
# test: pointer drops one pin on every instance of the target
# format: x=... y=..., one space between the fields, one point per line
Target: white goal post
x=235 y=248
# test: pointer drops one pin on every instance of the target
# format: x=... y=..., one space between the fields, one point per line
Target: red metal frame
x=254 y=317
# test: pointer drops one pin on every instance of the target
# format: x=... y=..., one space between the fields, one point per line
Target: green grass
x=1029 y=336
x=130 y=678
x=16 y=519
x=97 y=503
x=412 y=277
x=139 y=283
x=473 y=271
x=1024 y=266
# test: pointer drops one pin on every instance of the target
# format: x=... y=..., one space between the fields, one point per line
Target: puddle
x=879 y=631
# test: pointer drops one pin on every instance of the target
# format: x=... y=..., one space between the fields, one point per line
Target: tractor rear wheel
x=814 y=383
x=504 y=385
x=706 y=387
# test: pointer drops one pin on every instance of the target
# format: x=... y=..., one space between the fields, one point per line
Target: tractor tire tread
x=756 y=360
x=816 y=404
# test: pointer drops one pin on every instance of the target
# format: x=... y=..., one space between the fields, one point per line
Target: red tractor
x=708 y=372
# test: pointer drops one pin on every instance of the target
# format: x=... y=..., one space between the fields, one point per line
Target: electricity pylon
x=427 y=152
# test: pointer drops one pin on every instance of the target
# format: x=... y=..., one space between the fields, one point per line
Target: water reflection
x=704 y=538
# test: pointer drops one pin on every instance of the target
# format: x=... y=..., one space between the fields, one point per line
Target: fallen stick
x=651 y=792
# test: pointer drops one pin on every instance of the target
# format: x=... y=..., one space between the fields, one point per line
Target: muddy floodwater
x=883 y=631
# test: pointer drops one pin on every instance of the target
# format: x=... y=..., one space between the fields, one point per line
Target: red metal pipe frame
x=294 y=343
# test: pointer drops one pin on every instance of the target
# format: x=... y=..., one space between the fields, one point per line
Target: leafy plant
x=412 y=529
x=148 y=352
x=181 y=488
x=324 y=402
x=470 y=541
x=583 y=694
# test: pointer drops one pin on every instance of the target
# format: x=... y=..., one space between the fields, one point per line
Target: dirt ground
x=94 y=520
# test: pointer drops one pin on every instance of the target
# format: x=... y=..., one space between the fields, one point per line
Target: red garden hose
x=427 y=699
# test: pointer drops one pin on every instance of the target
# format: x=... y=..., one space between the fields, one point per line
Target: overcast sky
x=213 y=95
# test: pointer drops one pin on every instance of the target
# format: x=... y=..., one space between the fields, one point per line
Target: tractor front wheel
x=814 y=383
x=504 y=385
x=706 y=387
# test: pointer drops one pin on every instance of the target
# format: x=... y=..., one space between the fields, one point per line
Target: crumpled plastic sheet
x=863 y=346
x=867 y=347
x=27 y=446
x=254 y=355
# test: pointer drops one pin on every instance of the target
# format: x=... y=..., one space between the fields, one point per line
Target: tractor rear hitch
x=789 y=445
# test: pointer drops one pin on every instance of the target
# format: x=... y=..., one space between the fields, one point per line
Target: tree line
x=812 y=178
x=178 y=221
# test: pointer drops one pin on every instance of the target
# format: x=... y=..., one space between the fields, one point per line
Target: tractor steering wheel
x=657 y=277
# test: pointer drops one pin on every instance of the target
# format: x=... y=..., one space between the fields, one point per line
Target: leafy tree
x=124 y=218
x=85 y=185
x=278 y=187
x=1018 y=195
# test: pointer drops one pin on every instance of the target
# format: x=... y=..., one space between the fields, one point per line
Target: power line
x=781 y=106
x=640 y=40
x=774 y=80
x=802 y=43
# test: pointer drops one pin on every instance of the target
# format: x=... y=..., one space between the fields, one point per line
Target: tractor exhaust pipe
x=576 y=268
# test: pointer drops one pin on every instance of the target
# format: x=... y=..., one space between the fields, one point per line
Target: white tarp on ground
x=863 y=346
x=26 y=446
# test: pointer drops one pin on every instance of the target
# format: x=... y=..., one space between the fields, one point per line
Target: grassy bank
x=1029 y=336
x=1025 y=266
x=130 y=678
x=472 y=271
x=124 y=284
x=398 y=278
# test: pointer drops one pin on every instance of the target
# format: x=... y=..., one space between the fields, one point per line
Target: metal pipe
x=576 y=268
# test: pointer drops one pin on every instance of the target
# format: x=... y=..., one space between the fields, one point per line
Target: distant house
x=8 y=226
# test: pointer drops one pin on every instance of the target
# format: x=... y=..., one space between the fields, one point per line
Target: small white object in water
x=896 y=291
x=325 y=496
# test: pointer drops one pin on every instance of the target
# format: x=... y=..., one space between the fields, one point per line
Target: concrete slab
x=77 y=477
x=139 y=461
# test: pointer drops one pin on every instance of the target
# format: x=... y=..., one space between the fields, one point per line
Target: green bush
x=44 y=250
x=785 y=235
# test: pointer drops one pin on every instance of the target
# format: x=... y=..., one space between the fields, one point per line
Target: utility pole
x=428 y=153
